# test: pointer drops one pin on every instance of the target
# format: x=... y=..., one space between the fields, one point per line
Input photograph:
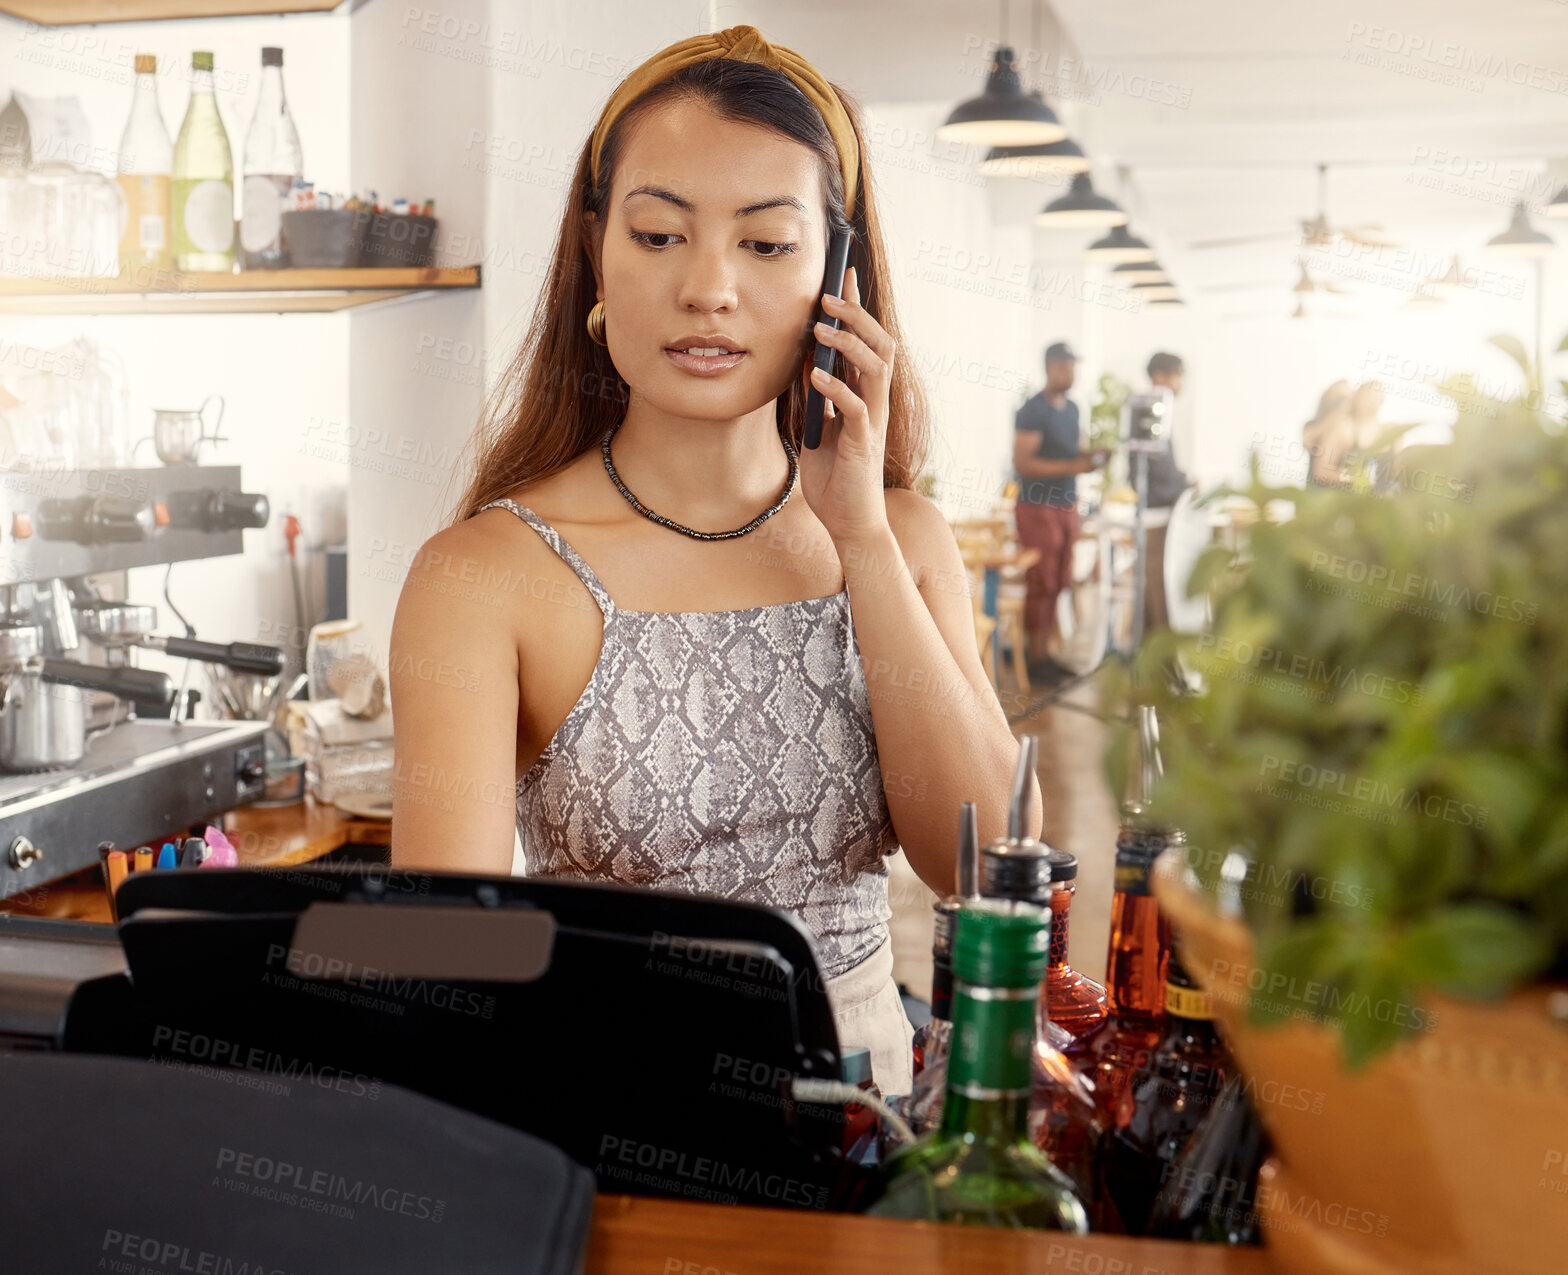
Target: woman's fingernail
x=819 y=376
x=829 y=300
x=824 y=329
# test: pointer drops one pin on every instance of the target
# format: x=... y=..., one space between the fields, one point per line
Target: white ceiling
x=1247 y=97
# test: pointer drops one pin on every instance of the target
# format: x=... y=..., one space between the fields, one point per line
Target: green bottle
x=202 y=192
x=980 y=1168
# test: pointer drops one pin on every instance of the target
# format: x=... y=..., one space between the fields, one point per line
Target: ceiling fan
x=1304 y=284
x=1312 y=232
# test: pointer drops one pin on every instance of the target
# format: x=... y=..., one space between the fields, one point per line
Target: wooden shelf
x=248 y=292
x=63 y=13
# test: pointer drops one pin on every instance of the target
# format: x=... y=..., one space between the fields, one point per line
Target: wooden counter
x=280 y=837
x=633 y=1235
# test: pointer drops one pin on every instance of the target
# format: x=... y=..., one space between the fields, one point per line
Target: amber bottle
x=1139 y=948
x=1075 y=1002
x=1165 y=1099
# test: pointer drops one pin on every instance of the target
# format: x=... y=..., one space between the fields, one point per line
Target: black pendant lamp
x=1121 y=245
x=1053 y=159
x=1004 y=115
x=1082 y=205
x=1139 y=272
x=1521 y=239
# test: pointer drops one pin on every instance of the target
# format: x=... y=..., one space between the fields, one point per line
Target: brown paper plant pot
x=1448 y=1155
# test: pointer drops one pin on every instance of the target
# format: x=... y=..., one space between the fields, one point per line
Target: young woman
x=701 y=659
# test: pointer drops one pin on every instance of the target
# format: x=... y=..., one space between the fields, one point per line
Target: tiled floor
x=1080 y=816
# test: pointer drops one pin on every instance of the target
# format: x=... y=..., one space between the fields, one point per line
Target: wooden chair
x=973 y=548
x=1010 y=613
x=1010 y=622
x=984 y=627
x=978 y=549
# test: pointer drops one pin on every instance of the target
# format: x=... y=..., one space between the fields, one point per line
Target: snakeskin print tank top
x=720 y=752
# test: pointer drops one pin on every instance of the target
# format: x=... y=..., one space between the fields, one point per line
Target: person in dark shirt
x=1167 y=481
x=1046 y=456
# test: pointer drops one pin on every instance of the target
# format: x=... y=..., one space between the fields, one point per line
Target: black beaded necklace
x=789 y=487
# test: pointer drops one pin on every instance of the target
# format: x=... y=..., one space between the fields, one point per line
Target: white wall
x=519 y=88
x=963 y=293
x=416 y=91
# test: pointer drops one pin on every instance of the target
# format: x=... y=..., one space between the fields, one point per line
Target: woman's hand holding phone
x=842 y=478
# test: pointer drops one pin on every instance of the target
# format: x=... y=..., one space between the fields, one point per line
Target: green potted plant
x=1373 y=779
x=1105 y=416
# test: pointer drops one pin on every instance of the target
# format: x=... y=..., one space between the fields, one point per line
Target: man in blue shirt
x=1046 y=456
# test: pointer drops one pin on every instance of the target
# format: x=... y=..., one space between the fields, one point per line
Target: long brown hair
x=561 y=392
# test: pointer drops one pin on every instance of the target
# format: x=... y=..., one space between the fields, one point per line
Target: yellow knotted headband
x=741 y=44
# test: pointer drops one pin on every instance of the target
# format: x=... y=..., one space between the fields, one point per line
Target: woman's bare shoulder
x=468 y=573
x=500 y=531
x=490 y=536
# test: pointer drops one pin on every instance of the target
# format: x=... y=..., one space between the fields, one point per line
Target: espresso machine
x=92 y=747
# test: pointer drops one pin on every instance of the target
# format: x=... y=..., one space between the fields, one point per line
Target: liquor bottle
x=1139 y=948
x=980 y=1168
x=272 y=163
x=860 y=1125
x=146 y=162
x=1063 y=1119
x=943 y=910
x=1020 y=868
x=930 y=1040
x=1210 y=1193
x=861 y=1141
x=202 y=198
x=1065 y=1123
x=922 y=1109
x=16 y=139
x=1166 y=1099
x=1076 y=1003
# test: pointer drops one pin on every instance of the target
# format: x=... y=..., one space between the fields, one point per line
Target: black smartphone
x=832 y=283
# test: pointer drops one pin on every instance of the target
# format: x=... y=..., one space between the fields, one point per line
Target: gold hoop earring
x=596 y=324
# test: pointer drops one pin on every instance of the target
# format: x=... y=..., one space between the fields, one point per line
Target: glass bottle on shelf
x=980 y=1168
x=202 y=189
x=272 y=163
x=16 y=138
x=1210 y=1193
x=1139 y=948
x=146 y=162
x=1166 y=1099
x=1076 y=1003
